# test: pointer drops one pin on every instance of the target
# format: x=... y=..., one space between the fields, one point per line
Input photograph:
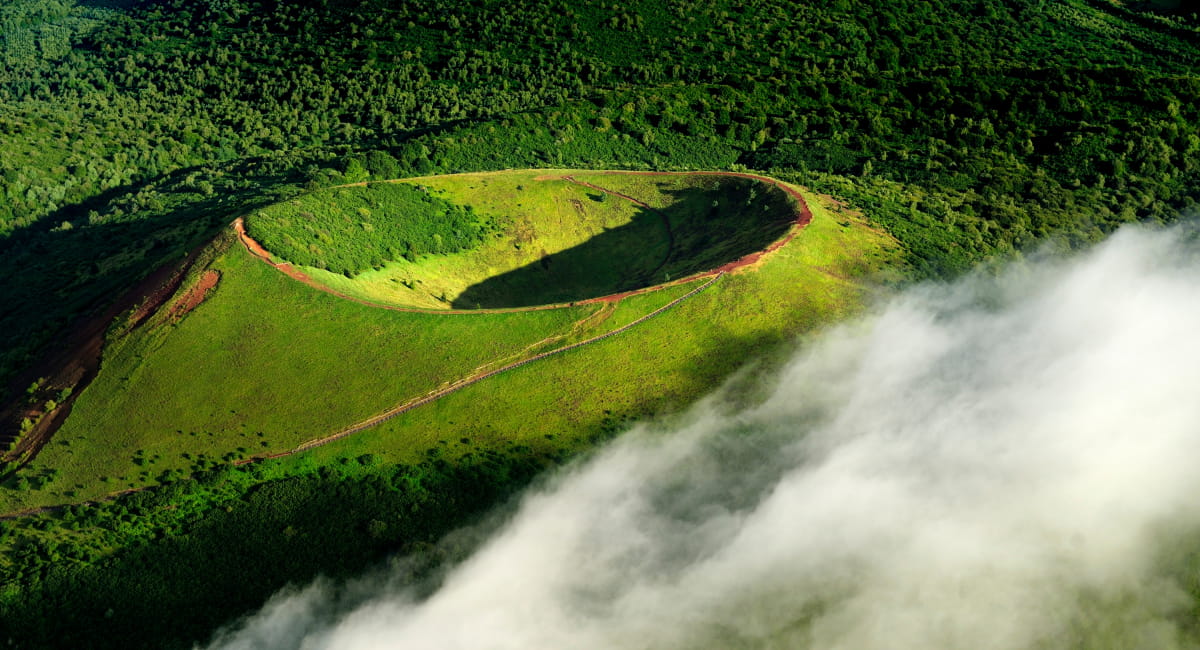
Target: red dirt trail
x=467 y=381
x=803 y=218
x=196 y=295
x=75 y=361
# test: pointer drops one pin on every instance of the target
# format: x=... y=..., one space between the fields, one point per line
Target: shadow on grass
x=175 y=589
x=702 y=229
x=616 y=260
x=60 y=276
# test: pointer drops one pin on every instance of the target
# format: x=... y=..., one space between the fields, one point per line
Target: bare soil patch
x=196 y=295
x=803 y=216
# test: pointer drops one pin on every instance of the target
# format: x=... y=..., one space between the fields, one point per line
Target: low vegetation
x=266 y=363
x=349 y=230
x=135 y=131
x=126 y=145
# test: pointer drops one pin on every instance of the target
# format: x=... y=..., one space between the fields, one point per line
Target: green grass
x=634 y=307
x=349 y=230
x=535 y=218
x=555 y=241
x=265 y=351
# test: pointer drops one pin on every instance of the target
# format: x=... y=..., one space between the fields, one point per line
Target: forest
x=133 y=130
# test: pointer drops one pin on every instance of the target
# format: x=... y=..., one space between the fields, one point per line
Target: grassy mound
x=266 y=363
x=555 y=236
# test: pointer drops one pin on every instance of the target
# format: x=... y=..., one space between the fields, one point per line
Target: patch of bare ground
x=196 y=294
x=44 y=394
x=77 y=362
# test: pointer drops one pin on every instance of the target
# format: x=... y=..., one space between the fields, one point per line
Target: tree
x=382 y=165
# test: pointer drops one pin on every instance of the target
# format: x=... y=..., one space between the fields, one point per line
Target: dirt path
x=803 y=218
x=287 y=269
x=803 y=213
x=412 y=403
x=75 y=361
x=473 y=379
x=602 y=313
x=196 y=295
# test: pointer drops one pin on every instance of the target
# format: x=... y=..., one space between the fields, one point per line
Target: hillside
x=555 y=236
x=258 y=364
x=370 y=146
x=970 y=128
x=268 y=367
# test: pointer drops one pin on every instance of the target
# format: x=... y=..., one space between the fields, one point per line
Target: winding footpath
x=409 y=405
x=803 y=218
x=473 y=379
x=256 y=249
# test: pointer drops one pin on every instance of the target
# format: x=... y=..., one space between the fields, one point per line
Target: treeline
x=349 y=230
x=171 y=85
x=165 y=120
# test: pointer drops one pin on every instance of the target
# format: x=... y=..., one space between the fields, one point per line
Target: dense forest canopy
x=133 y=130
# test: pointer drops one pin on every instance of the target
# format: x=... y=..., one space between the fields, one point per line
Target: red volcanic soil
x=197 y=294
x=803 y=214
x=286 y=268
x=75 y=360
x=803 y=218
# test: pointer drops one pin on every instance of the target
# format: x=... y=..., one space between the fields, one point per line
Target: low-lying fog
x=1007 y=462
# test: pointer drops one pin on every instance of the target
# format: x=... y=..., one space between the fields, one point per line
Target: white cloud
x=1002 y=463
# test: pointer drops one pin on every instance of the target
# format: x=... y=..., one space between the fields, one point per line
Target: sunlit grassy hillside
x=267 y=363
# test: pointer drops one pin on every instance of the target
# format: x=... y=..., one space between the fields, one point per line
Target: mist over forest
x=1000 y=462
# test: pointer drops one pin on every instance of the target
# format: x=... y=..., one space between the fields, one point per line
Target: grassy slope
x=263 y=355
x=814 y=280
x=536 y=215
x=713 y=219
x=138 y=550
